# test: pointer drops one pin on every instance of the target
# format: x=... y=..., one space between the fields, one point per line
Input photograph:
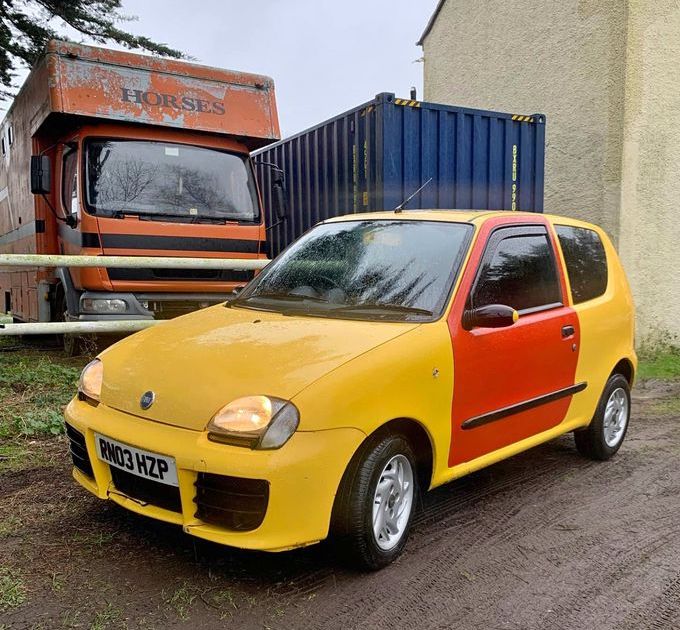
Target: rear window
x=586 y=262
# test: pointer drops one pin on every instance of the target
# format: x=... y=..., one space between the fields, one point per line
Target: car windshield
x=377 y=269
x=159 y=179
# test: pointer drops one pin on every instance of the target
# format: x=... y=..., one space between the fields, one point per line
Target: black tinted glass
x=586 y=262
x=520 y=273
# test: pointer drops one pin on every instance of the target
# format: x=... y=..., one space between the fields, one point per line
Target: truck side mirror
x=279 y=198
x=41 y=183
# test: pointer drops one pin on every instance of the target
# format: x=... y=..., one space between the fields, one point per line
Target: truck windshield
x=168 y=180
x=372 y=269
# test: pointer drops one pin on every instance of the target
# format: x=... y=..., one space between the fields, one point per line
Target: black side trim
x=217 y=275
x=188 y=243
x=504 y=412
x=78 y=238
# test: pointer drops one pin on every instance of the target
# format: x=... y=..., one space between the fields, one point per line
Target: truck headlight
x=103 y=305
x=259 y=422
x=90 y=383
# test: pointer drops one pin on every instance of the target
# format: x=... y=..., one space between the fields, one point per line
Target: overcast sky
x=324 y=56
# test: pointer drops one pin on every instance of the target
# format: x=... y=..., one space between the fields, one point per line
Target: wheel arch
x=626 y=368
x=418 y=438
x=67 y=290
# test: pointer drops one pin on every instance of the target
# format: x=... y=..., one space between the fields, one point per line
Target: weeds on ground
x=669 y=406
x=12 y=590
x=33 y=393
x=662 y=363
x=12 y=457
x=9 y=524
x=104 y=618
x=180 y=600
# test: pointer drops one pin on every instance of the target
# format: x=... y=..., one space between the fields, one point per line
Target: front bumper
x=303 y=475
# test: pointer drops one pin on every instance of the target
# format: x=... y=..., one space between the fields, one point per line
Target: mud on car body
x=379 y=356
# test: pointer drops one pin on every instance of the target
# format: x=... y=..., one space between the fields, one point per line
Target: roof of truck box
x=116 y=85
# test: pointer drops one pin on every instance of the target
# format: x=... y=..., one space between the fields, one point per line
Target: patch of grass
x=9 y=524
x=181 y=600
x=661 y=364
x=33 y=393
x=12 y=457
x=12 y=590
x=670 y=406
x=105 y=618
x=222 y=600
x=96 y=538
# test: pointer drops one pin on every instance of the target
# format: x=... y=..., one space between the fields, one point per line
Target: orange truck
x=112 y=153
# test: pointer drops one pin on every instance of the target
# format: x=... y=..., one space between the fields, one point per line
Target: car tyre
x=603 y=437
x=375 y=504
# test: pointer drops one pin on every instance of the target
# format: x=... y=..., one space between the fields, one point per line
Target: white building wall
x=601 y=71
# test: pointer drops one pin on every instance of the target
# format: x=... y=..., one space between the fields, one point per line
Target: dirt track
x=544 y=540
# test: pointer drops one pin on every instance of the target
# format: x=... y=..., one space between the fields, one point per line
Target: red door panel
x=500 y=368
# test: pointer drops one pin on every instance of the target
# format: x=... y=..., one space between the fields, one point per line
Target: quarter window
x=518 y=271
x=586 y=262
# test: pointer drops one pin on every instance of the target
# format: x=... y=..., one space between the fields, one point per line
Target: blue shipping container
x=375 y=155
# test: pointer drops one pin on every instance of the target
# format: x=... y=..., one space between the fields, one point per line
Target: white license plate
x=136 y=461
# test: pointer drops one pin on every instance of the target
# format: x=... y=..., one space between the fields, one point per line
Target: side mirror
x=41 y=183
x=279 y=198
x=491 y=316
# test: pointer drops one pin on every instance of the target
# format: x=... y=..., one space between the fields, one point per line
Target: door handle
x=568 y=331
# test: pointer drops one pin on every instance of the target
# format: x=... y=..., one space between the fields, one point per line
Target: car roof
x=456 y=216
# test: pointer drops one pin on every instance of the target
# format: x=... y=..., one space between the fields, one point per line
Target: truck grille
x=78 y=450
x=146 y=490
x=231 y=502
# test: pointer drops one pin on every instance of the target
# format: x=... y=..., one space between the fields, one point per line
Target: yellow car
x=379 y=356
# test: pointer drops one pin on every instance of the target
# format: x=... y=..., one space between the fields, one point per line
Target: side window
x=519 y=271
x=69 y=182
x=586 y=262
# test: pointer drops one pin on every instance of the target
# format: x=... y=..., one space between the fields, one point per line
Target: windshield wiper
x=378 y=306
x=283 y=296
x=161 y=216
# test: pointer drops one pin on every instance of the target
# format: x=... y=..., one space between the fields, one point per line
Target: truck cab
x=130 y=155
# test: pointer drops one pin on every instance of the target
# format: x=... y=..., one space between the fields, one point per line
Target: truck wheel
x=72 y=344
x=605 y=434
x=375 y=504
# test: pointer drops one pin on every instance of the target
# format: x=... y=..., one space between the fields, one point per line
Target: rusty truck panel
x=116 y=85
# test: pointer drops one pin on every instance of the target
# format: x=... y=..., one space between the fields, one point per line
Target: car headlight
x=90 y=384
x=260 y=422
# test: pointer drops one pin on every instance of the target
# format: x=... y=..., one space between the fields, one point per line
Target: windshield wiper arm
x=367 y=306
x=283 y=296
